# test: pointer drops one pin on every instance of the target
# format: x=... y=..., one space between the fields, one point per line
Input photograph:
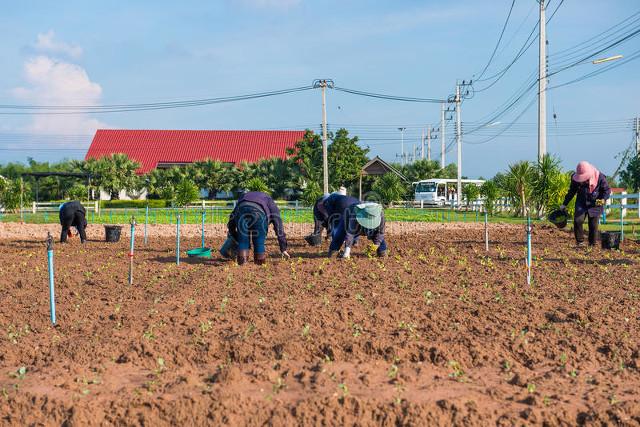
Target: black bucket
x=610 y=239
x=314 y=239
x=112 y=233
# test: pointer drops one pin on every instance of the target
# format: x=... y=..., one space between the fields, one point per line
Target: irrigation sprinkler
x=178 y=239
x=528 y=250
x=52 y=295
x=621 y=226
x=131 y=246
x=486 y=232
x=146 y=220
x=204 y=215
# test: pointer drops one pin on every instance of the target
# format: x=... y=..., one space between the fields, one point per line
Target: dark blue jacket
x=271 y=211
x=585 y=200
x=354 y=229
x=73 y=214
x=337 y=204
x=320 y=216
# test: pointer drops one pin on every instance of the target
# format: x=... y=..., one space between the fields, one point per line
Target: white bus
x=440 y=191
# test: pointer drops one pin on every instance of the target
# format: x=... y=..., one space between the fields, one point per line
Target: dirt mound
x=438 y=333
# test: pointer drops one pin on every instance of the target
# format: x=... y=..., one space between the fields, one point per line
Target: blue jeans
x=340 y=233
x=252 y=227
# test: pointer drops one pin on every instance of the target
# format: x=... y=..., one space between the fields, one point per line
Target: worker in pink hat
x=591 y=189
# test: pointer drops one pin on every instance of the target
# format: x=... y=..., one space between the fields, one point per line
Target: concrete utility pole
x=442 y=135
x=402 y=155
x=422 y=141
x=325 y=161
x=324 y=84
x=637 y=136
x=458 y=101
x=542 y=84
x=428 y=143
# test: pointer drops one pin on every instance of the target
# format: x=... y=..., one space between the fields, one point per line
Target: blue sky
x=146 y=51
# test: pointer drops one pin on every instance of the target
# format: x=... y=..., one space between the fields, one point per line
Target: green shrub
x=111 y=204
x=186 y=193
x=257 y=184
x=311 y=193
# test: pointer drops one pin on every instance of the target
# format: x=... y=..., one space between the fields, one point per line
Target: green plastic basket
x=199 y=253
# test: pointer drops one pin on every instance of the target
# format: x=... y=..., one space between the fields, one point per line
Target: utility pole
x=428 y=144
x=458 y=101
x=324 y=84
x=637 y=136
x=442 y=135
x=402 y=155
x=422 y=140
x=542 y=84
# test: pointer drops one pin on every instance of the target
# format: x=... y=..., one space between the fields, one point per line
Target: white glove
x=346 y=253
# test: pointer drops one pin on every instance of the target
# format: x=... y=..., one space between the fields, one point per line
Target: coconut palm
x=518 y=185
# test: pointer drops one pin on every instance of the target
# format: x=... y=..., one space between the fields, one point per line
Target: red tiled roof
x=151 y=147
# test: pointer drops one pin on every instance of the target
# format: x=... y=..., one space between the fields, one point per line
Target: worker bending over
x=328 y=213
x=73 y=214
x=249 y=223
x=365 y=219
x=592 y=190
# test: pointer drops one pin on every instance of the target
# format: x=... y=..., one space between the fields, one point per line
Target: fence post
x=146 y=220
x=623 y=204
x=52 y=294
x=131 y=246
x=96 y=207
x=34 y=209
x=178 y=239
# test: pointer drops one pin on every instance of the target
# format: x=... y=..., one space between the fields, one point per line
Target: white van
x=440 y=191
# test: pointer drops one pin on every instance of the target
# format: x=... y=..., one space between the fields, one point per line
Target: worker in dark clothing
x=336 y=206
x=320 y=221
x=365 y=219
x=591 y=189
x=327 y=212
x=73 y=214
x=249 y=223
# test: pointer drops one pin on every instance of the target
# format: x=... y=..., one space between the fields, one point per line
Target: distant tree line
x=533 y=188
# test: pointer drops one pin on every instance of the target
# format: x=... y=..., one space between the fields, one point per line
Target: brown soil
x=439 y=333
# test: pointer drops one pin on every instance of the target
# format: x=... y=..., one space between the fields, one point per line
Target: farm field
x=439 y=333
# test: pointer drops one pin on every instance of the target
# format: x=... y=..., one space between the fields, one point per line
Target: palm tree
x=519 y=185
x=548 y=183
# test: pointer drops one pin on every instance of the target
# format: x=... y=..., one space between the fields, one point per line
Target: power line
x=387 y=97
x=118 y=108
x=504 y=27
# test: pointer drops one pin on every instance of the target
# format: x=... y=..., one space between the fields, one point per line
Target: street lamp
x=401 y=129
x=608 y=59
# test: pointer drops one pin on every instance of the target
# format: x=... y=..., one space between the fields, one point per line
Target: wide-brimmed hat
x=369 y=215
x=584 y=171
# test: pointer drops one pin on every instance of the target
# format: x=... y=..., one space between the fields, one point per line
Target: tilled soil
x=439 y=333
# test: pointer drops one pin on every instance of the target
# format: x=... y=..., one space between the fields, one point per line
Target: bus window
x=441 y=190
x=426 y=187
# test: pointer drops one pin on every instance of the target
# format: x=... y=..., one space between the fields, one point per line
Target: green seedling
x=393 y=372
x=531 y=388
x=344 y=389
x=458 y=372
x=306 y=331
x=20 y=373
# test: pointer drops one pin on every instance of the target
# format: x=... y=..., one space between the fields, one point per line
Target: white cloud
x=50 y=81
x=47 y=44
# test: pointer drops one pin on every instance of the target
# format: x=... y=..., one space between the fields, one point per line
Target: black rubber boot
x=243 y=256
x=259 y=259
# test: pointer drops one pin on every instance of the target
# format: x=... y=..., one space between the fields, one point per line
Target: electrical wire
x=504 y=27
x=118 y=108
x=388 y=97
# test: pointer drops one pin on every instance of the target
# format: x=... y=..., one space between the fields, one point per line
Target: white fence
x=623 y=203
x=55 y=206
